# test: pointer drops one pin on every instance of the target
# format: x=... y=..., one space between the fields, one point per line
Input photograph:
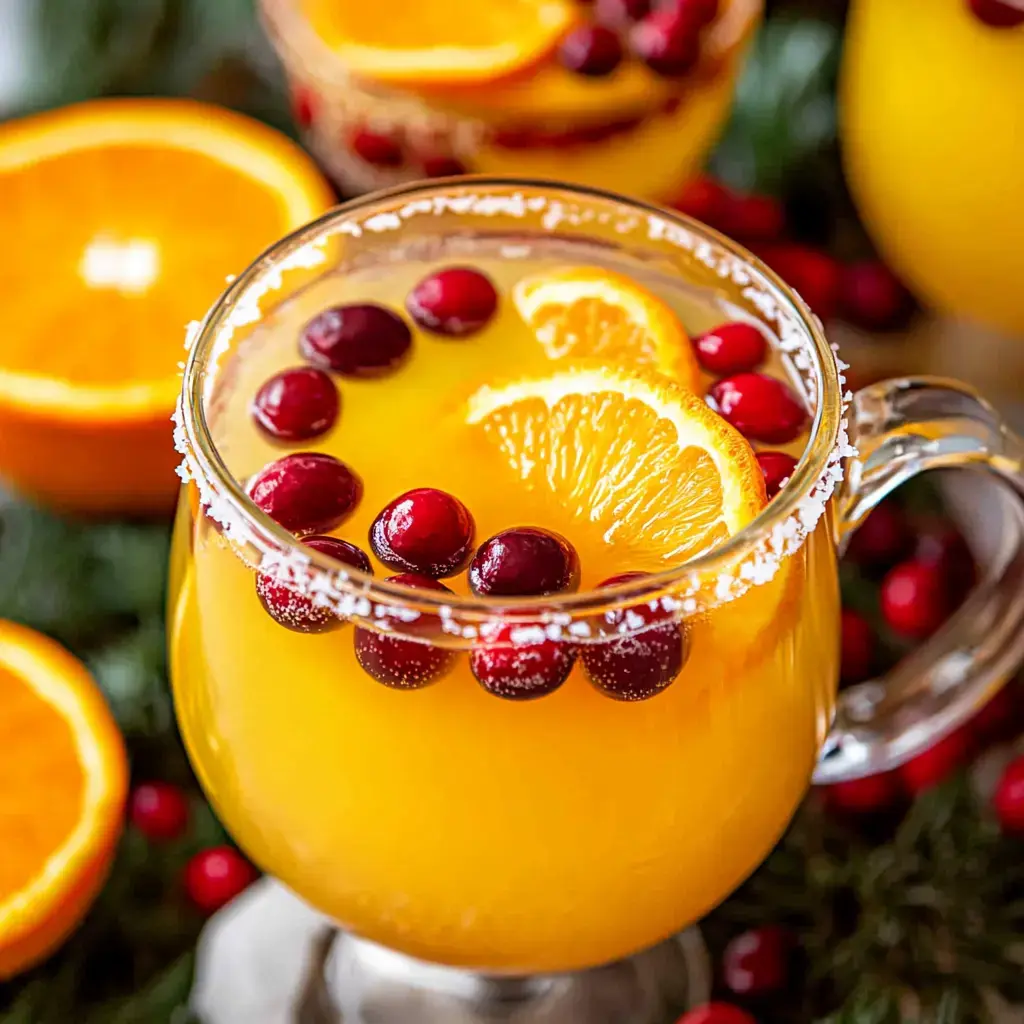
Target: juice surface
x=444 y=822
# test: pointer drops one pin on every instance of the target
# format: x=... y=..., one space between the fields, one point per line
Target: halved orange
x=63 y=777
x=588 y=312
x=439 y=41
x=122 y=220
x=628 y=453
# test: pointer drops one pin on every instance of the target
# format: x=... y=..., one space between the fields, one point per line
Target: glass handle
x=901 y=428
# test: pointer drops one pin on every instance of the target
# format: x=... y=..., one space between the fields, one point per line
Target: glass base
x=367 y=984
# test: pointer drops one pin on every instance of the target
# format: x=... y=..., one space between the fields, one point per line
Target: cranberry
x=716 y=1013
x=524 y=562
x=591 y=50
x=621 y=13
x=997 y=13
x=998 y=719
x=668 y=42
x=811 y=272
x=307 y=492
x=303 y=107
x=359 y=340
x=756 y=963
x=937 y=763
x=913 y=599
x=214 y=877
x=297 y=612
x=643 y=653
x=869 y=794
x=456 y=302
x=882 y=539
x=942 y=545
x=1008 y=799
x=297 y=404
x=424 y=530
x=705 y=11
x=705 y=200
x=777 y=468
x=440 y=165
x=760 y=407
x=518 y=669
x=380 y=149
x=753 y=218
x=857 y=647
x=872 y=296
x=159 y=811
x=731 y=348
x=396 y=661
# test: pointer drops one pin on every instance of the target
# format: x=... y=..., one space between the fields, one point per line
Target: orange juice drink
x=471 y=653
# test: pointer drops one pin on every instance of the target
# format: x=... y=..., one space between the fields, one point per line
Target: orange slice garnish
x=588 y=312
x=630 y=454
x=426 y=41
x=63 y=775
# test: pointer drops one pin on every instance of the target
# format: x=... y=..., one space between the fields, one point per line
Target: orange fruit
x=629 y=454
x=122 y=220
x=439 y=41
x=63 y=776
x=587 y=312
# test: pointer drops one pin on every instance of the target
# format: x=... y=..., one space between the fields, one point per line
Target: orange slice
x=587 y=312
x=439 y=41
x=63 y=775
x=632 y=454
x=122 y=221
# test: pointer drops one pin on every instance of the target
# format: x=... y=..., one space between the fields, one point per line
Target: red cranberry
x=214 y=877
x=303 y=107
x=440 y=165
x=857 y=647
x=456 y=302
x=159 y=811
x=997 y=13
x=1008 y=799
x=524 y=562
x=297 y=612
x=882 y=539
x=521 y=669
x=937 y=763
x=396 y=661
x=942 y=545
x=731 y=348
x=869 y=794
x=644 y=651
x=621 y=13
x=814 y=274
x=359 y=340
x=872 y=296
x=753 y=218
x=913 y=599
x=705 y=200
x=760 y=407
x=307 y=492
x=998 y=719
x=777 y=468
x=756 y=963
x=716 y=1013
x=297 y=404
x=424 y=530
x=591 y=50
x=377 y=148
x=705 y=11
x=668 y=42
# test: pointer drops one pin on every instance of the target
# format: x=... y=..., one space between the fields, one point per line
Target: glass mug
x=490 y=854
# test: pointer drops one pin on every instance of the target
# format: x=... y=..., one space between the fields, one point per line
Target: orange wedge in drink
x=122 y=220
x=63 y=776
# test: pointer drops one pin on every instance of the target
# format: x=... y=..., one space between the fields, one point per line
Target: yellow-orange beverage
x=538 y=798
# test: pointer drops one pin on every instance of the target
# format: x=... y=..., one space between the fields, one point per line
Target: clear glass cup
x=532 y=843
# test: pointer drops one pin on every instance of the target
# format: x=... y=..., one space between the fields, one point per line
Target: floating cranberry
x=668 y=42
x=524 y=561
x=937 y=763
x=777 y=468
x=303 y=107
x=870 y=794
x=359 y=340
x=396 y=661
x=380 y=149
x=159 y=811
x=515 y=668
x=643 y=653
x=297 y=404
x=857 y=647
x=297 y=612
x=455 y=302
x=307 y=492
x=591 y=50
x=913 y=599
x=814 y=274
x=872 y=296
x=753 y=218
x=621 y=14
x=760 y=407
x=731 y=348
x=441 y=165
x=997 y=13
x=705 y=11
x=705 y=200
x=942 y=545
x=214 y=877
x=716 y=1013
x=756 y=963
x=882 y=539
x=1008 y=799
x=426 y=531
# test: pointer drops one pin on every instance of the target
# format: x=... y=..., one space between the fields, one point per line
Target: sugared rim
x=749 y=558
